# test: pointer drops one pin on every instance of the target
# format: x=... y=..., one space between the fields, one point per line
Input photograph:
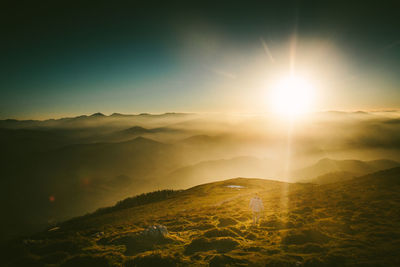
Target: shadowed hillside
x=350 y=223
x=346 y=168
x=60 y=183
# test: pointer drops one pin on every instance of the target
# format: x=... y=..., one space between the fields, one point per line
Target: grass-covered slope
x=351 y=223
x=346 y=167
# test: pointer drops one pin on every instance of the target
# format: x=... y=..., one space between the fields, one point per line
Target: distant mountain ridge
x=92 y=120
x=69 y=166
x=355 y=167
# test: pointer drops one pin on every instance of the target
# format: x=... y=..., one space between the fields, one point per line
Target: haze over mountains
x=53 y=170
x=325 y=168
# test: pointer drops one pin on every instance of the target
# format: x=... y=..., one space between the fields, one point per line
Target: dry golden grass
x=344 y=224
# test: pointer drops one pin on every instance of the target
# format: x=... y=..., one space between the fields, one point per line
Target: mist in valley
x=53 y=170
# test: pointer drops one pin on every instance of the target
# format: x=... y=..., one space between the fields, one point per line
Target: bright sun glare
x=292 y=97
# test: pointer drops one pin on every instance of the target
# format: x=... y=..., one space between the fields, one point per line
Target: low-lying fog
x=55 y=169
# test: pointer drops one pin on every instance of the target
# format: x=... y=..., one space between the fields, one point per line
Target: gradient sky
x=60 y=59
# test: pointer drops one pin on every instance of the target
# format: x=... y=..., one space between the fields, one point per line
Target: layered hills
x=53 y=170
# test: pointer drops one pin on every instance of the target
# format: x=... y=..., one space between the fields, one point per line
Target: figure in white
x=257 y=207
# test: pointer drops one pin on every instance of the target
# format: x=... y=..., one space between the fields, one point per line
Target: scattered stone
x=142 y=241
x=155 y=231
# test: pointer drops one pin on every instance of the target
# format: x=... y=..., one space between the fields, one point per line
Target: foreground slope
x=350 y=223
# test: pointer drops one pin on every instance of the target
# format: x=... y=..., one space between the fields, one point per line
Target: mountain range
x=53 y=170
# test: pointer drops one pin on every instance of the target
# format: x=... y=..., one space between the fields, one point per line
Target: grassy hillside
x=333 y=177
x=350 y=223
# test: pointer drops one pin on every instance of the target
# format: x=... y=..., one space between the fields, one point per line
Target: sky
x=60 y=59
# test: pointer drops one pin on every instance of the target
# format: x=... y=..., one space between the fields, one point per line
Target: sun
x=292 y=96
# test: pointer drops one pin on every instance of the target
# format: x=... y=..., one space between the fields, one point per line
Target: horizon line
x=98 y=113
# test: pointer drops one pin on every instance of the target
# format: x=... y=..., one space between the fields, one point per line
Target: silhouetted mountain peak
x=142 y=140
x=117 y=115
x=136 y=130
x=98 y=114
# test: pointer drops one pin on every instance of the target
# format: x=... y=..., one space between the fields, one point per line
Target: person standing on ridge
x=257 y=208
